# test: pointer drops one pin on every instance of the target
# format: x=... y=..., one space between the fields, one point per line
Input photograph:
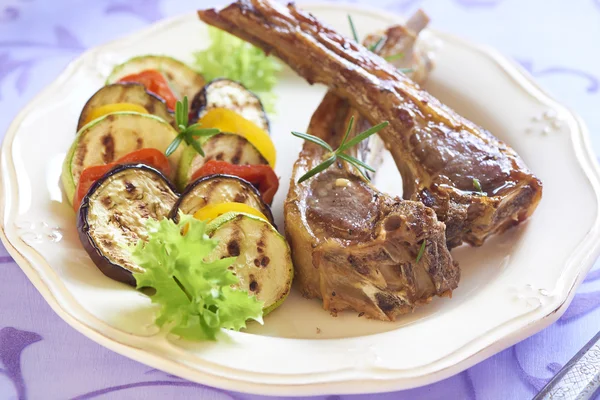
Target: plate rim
x=584 y=255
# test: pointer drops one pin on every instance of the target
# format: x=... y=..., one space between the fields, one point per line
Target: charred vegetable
x=263 y=264
x=121 y=94
x=195 y=297
x=231 y=95
x=182 y=79
x=111 y=137
x=260 y=176
x=217 y=189
x=113 y=216
x=226 y=147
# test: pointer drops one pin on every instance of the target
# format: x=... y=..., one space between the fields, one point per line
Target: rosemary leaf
x=313 y=139
x=184 y=112
x=319 y=168
x=203 y=132
x=477 y=186
x=348 y=129
x=353 y=29
x=406 y=70
x=421 y=252
x=355 y=161
x=362 y=136
x=395 y=57
x=351 y=161
x=375 y=46
x=174 y=145
x=178 y=118
x=196 y=145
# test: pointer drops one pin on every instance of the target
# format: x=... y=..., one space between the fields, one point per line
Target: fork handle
x=579 y=379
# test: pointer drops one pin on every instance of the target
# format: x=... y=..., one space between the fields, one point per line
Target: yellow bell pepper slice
x=231 y=122
x=212 y=211
x=111 y=108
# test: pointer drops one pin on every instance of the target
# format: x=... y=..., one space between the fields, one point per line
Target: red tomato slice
x=261 y=176
x=151 y=157
x=155 y=83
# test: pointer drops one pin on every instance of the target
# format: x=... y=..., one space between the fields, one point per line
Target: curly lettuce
x=196 y=297
x=232 y=58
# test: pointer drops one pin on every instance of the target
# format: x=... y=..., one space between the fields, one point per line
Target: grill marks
x=237 y=156
x=262 y=261
x=230 y=148
x=108 y=152
x=129 y=187
x=233 y=246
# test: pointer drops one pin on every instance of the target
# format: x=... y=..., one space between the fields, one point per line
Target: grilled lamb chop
x=354 y=247
x=439 y=153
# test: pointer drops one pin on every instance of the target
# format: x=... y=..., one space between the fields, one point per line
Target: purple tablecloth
x=41 y=357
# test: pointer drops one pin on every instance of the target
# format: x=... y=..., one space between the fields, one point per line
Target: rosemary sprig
x=477 y=186
x=394 y=57
x=346 y=144
x=190 y=133
x=421 y=252
x=375 y=47
x=353 y=29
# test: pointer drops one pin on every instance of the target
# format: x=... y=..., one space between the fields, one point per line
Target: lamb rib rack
x=443 y=157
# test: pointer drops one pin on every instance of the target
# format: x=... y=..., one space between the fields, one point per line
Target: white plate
x=512 y=287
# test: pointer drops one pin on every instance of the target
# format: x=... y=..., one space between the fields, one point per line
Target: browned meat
x=438 y=152
x=354 y=247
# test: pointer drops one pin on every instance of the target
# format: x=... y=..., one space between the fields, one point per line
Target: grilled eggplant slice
x=111 y=137
x=225 y=93
x=263 y=264
x=216 y=189
x=183 y=80
x=231 y=148
x=112 y=216
x=125 y=93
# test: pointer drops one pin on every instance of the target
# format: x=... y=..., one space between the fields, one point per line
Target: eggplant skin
x=126 y=93
x=210 y=184
x=102 y=262
x=246 y=103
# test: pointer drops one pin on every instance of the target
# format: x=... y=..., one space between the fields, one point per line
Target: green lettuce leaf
x=232 y=58
x=196 y=297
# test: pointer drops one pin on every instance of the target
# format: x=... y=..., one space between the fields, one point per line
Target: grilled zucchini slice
x=109 y=138
x=183 y=80
x=263 y=264
x=113 y=214
x=125 y=93
x=225 y=93
x=231 y=148
x=216 y=189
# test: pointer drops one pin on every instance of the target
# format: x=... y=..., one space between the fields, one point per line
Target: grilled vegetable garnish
x=112 y=216
x=231 y=95
x=111 y=137
x=118 y=94
x=195 y=296
x=261 y=176
x=263 y=264
x=219 y=189
x=182 y=79
x=231 y=122
x=150 y=157
x=226 y=147
x=154 y=82
x=213 y=211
